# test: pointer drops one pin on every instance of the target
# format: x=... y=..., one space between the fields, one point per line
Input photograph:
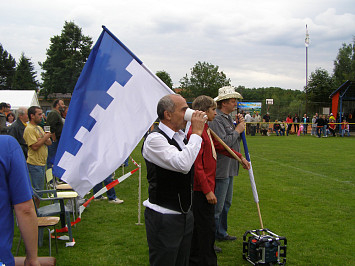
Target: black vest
x=169 y=189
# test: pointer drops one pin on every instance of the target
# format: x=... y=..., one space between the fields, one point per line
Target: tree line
x=66 y=56
x=68 y=52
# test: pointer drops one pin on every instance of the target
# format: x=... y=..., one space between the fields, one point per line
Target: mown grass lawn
x=306 y=191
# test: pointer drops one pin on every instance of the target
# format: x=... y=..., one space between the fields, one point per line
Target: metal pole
x=139 y=195
x=340 y=111
x=306 y=43
x=306 y=76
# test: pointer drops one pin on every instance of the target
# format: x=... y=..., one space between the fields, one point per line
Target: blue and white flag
x=112 y=107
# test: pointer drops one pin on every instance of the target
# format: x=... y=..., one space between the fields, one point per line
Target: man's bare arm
x=27 y=223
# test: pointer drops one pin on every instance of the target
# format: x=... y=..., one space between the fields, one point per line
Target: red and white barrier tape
x=105 y=189
x=99 y=193
x=134 y=162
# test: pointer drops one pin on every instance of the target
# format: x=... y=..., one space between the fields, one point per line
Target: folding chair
x=50 y=178
x=57 y=208
x=44 y=222
x=62 y=191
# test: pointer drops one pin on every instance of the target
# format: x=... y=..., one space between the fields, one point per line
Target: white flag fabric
x=251 y=173
x=112 y=107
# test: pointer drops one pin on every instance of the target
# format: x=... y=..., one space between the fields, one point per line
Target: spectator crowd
x=201 y=160
x=24 y=159
x=318 y=126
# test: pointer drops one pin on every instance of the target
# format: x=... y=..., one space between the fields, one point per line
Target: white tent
x=18 y=98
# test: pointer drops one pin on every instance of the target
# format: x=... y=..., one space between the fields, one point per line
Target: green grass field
x=306 y=191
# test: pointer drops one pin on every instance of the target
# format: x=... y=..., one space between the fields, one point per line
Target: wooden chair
x=44 y=261
x=45 y=222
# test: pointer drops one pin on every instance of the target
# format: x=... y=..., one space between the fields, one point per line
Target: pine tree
x=7 y=69
x=25 y=76
x=66 y=57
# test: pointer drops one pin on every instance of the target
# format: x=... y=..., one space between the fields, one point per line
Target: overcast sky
x=256 y=43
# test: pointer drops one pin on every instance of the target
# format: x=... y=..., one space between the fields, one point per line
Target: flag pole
x=252 y=180
x=306 y=42
x=251 y=174
x=225 y=146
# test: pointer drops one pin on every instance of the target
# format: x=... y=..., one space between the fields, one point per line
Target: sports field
x=306 y=191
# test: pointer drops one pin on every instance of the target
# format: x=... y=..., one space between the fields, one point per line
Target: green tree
x=165 y=77
x=7 y=69
x=205 y=80
x=66 y=57
x=25 y=76
x=320 y=86
x=344 y=65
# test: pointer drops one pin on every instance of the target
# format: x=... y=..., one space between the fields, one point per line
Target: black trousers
x=202 y=251
x=169 y=237
x=296 y=127
x=289 y=126
x=253 y=130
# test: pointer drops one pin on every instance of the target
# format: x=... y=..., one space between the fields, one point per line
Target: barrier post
x=139 y=195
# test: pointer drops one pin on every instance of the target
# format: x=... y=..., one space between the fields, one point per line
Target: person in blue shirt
x=305 y=120
x=16 y=195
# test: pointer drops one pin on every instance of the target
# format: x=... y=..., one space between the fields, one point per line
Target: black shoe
x=226 y=238
x=217 y=249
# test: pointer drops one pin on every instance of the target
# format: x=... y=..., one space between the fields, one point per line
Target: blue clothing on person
x=223 y=192
x=126 y=162
x=111 y=193
x=304 y=125
x=37 y=174
x=227 y=168
x=343 y=131
x=52 y=151
x=15 y=188
x=325 y=131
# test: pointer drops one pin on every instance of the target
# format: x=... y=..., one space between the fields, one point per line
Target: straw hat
x=227 y=92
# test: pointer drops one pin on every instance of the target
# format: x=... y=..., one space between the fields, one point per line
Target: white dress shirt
x=157 y=150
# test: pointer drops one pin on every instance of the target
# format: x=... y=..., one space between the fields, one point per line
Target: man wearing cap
x=227 y=168
x=331 y=117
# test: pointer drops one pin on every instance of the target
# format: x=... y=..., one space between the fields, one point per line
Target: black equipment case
x=263 y=247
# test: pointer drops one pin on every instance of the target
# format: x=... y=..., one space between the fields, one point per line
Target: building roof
x=346 y=90
x=19 y=98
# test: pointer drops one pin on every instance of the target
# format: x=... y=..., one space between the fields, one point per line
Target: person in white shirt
x=247 y=119
x=258 y=120
x=169 y=159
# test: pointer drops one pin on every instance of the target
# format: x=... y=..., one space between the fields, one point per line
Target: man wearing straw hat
x=227 y=168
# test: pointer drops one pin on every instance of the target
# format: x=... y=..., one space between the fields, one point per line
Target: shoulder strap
x=171 y=141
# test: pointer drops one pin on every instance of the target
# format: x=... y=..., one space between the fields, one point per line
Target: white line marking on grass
x=302 y=170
